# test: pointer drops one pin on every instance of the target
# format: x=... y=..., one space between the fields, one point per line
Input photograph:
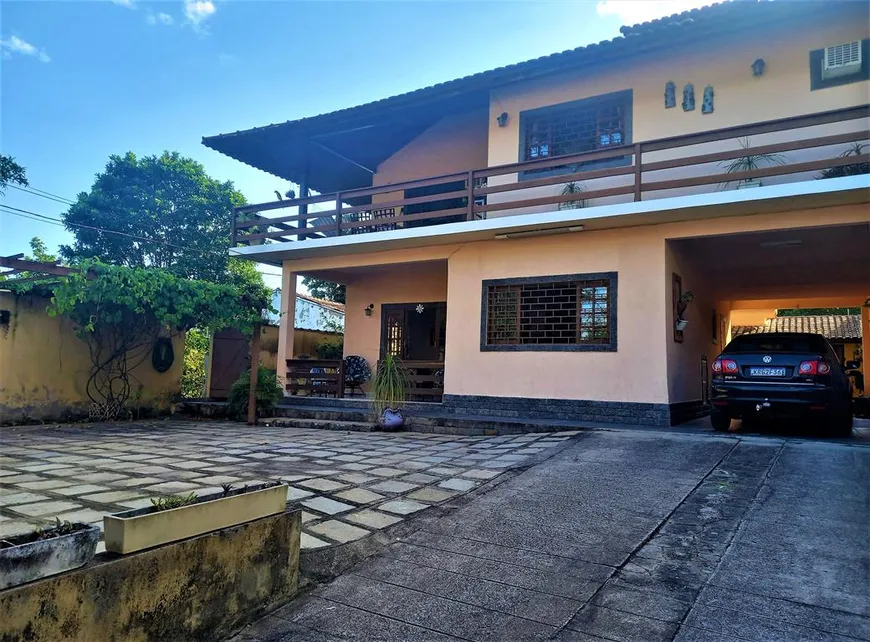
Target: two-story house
x=526 y=237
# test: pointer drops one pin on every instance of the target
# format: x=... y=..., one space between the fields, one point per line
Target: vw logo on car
x=767 y=358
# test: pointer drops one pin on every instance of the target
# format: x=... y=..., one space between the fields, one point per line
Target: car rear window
x=777 y=343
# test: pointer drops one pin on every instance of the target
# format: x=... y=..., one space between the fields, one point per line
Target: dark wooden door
x=230 y=355
x=414 y=331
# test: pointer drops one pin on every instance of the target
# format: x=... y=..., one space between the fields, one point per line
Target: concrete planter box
x=749 y=184
x=135 y=530
x=34 y=560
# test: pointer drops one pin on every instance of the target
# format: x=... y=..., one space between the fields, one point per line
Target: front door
x=414 y=331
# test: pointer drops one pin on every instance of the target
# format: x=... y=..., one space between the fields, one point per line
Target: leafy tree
x=169 y=200
x=325 y=289
x=196 y=345
x=39 y=251
x=803 y=312
x=120 y=312
x=11 y=173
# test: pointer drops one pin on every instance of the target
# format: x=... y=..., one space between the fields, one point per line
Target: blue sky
x=84 y=79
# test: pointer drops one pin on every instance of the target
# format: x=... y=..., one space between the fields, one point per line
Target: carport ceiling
x=825 y=257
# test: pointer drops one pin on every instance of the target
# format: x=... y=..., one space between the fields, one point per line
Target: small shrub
x=330 y=350
x=173 y=501
x=270 y=391
x=196 y=344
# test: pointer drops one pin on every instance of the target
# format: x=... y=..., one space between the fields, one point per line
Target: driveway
x=625 y=536
x=348 y=484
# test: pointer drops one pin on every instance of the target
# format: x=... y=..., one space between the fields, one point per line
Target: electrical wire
x=44 y=194
x=43 y=218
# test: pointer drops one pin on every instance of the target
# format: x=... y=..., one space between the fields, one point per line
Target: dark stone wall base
x=615 y=412
x=687 y=411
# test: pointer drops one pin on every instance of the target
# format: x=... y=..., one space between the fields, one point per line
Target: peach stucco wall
x=783 y=90
x=647 y=367
x=456 y=143
x=405 y=283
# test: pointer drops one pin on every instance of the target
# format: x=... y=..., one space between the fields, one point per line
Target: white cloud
x=159 y=18
x=197 y=11
x=16 y=45
x=130 y=4
x=632 y=12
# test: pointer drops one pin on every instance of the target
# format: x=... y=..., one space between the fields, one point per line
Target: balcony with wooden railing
x=802 y=148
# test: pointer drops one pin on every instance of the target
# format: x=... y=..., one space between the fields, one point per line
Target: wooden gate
x=229 y=358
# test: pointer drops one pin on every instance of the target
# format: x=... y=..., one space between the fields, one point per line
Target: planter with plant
x=682 y=305
x=173 y=518
x=270 y=392
x=389 y=387
x=573 y=188
x=855 y=169
x=45 y=552
x=750 y=162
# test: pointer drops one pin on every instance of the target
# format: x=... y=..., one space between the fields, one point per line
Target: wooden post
x=638 y=172
x=338 y=214
x=255 y=370
x=303 y=193
x=470 y=180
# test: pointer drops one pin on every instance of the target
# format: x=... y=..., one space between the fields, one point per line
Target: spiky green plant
x=572 y=187
x=750 y=161
x=389 y=385
x=173 y=501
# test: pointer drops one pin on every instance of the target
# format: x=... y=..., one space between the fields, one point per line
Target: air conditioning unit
x=842 y=60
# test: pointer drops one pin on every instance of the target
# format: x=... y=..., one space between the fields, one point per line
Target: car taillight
x=725 y=365
x=814 y=367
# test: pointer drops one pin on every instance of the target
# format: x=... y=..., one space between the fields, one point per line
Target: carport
x=742 y=278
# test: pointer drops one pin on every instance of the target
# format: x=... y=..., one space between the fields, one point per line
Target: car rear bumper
x=754 y=399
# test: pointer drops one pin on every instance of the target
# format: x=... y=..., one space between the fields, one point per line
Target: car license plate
x=767 y=372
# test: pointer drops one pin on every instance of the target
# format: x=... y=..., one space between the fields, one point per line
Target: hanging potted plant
x=750 y=162
x=685 y=299
x=44 y=552
x=389 y=387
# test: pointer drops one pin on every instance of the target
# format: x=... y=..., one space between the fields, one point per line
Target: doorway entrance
x=416 y=334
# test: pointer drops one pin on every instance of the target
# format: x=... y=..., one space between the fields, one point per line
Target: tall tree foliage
x=167 y=199
x=11 y=173
x=325 y=289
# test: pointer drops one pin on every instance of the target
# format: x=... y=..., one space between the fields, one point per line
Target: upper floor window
x=570 y=312
x=576 y=127
x=840 y=64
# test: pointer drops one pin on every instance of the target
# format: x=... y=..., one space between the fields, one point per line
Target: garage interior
x=741 y=280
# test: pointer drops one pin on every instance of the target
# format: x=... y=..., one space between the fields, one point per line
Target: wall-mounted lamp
x=502 y=119
x=758 y=67
x=369 y=308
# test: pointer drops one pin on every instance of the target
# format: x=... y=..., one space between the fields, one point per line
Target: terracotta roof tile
x=832 y=326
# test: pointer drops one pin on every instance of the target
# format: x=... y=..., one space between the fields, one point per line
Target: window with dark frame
x=818 y=79
x=551 y=313
x=576 y=127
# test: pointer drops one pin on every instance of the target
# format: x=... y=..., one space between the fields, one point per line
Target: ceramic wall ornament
x=707 y=105
x=689 y=97
x=758 y=67
x=670 y=95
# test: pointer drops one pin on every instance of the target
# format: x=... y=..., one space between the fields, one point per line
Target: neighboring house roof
x=832 y=326
x=312 y=313
x=370 y=133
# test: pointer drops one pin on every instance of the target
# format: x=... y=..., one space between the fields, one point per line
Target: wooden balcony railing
x=687 y=164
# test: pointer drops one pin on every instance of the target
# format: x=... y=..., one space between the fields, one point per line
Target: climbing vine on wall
x=120 y=312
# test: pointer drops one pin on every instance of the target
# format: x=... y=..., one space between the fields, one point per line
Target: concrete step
x=318 y=424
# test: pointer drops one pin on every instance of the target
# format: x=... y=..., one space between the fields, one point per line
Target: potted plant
x=388 y=392
x=855 y=169
x=44 y=552
x=170 y=519
x=685 y=299
x=750 y=162
x=572 y=187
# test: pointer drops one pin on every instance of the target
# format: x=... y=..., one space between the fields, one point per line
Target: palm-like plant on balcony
x=750 y=162
x=389 y=387
x=855 y=169
x=572 y=187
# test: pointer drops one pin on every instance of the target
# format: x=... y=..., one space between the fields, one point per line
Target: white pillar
x=288 y=316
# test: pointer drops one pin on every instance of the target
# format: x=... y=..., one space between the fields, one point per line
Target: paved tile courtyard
x=348 y=484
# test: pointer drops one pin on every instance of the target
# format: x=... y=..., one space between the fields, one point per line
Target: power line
x=44 y=194
x=35 y=216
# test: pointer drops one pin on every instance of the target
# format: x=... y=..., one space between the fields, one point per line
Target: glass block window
x=550 y=313
x=576 y=127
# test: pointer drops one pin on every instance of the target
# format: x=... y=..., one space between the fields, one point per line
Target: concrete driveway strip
x=629 y=537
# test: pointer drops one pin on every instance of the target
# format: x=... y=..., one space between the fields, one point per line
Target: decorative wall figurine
x=670 y=95
x=707 y=105
x=689 y=97
x=758 y=67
